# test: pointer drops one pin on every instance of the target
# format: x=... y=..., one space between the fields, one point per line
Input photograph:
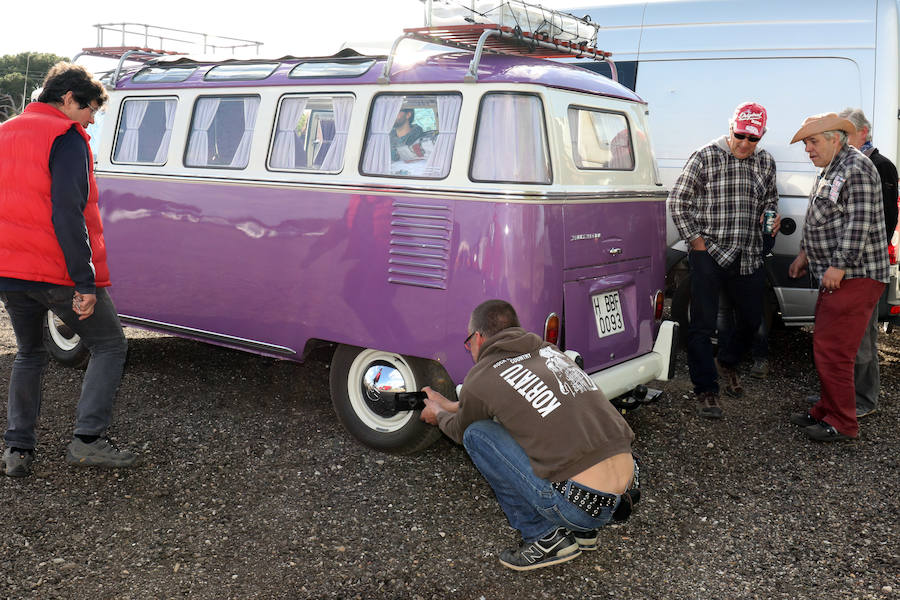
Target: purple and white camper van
x=271 y=206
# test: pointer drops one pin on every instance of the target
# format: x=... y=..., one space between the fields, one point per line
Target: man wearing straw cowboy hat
x=843 y=246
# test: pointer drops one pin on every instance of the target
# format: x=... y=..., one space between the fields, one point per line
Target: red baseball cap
x=749 y=118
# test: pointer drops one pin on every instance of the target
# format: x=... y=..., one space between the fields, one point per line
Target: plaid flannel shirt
x=844 y=225
x=721 y=199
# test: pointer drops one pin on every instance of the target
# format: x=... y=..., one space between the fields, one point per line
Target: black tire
x=63 y=344
x=398 y=432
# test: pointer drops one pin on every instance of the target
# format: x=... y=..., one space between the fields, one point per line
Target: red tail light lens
x=892 y=247
x=551 y=329
x=659 y=302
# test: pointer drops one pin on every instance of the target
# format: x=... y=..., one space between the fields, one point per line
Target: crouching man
x=555 y=451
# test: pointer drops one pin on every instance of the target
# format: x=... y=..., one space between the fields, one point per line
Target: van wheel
x=355 y=373
x=63 y=344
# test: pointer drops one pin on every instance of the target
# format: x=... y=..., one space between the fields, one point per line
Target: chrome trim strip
x=208 y=335
x=422 y=192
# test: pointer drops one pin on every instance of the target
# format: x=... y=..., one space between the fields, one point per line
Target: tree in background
x=14 y=81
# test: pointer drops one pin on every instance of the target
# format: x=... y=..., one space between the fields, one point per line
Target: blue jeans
x=101 y=333
x=745 y=292
x=530 y=502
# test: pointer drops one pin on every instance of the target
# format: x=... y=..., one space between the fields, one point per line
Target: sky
x=299 y=27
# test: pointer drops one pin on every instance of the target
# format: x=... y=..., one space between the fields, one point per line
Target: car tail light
x=895 y=309
x=551 y=329
x=659 y=301
x=892 y=247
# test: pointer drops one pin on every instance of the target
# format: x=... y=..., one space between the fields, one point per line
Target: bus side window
x=145 y=130
x=511 y=140
x=221 y=130
x=412 y=136
x=600 y=139
x=311 y=133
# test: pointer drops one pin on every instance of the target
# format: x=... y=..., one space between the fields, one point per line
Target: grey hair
x=842 y=135
x=859 y=120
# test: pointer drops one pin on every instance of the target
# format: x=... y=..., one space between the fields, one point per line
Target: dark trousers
x=101 y=333
x=745 y=292
x=842 y=316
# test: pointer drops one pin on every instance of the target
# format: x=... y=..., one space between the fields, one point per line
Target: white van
x=693 y=61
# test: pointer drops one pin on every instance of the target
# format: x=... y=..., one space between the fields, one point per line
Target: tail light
x=658 y=301
x=892 y=247
x=551 y=329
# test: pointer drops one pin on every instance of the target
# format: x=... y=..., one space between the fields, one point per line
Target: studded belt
x=588 y=500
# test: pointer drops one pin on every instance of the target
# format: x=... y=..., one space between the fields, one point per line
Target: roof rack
x=475 y=37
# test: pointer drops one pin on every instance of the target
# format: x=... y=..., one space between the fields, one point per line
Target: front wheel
x=63 y=344
x=359 y=375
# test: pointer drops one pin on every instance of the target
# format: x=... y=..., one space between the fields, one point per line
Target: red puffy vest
x=29 y=249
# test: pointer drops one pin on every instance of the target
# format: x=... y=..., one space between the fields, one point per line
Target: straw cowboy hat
x=822 y=123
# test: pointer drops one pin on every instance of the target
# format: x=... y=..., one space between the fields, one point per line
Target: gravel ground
x=249 y=488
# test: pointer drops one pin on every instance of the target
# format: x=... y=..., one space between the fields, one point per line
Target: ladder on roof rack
x=476 y=37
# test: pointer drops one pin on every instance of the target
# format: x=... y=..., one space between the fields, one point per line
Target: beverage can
x=769 y=221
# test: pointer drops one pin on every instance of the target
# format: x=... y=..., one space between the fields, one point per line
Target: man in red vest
x=52 y=257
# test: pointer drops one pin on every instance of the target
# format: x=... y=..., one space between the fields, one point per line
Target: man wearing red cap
x=717 y=204
x=843 y=246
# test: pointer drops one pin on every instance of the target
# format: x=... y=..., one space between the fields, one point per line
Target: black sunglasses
x=744 y=136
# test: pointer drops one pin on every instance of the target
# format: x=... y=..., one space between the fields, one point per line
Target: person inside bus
x=404 y=137
x=553 y=448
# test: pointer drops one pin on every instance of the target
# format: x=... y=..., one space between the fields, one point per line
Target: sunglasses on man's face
x=743 y=136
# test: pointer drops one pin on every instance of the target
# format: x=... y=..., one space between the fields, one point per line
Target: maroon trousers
x=841 y=319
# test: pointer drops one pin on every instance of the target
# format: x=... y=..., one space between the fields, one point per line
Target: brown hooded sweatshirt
x=544 y=400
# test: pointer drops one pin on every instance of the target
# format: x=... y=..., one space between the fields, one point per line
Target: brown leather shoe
x=708 y=405
x=731 y=380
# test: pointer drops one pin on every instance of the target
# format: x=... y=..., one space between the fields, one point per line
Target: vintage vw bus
x=369 y=203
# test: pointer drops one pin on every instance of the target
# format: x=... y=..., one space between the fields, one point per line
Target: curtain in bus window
x=284 y=150
x=198 y=146
x=242 y=154
x=377 y=160
x=510 y=144
x=127 y=150
x=334 y=159
x=448 y=119
x=163 y=150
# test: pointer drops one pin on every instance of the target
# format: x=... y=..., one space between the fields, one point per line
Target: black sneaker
x=558 y=547
x=803 y=419
x=823 y=432
x=587 y=540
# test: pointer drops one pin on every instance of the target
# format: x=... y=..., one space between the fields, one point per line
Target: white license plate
x=608 y=313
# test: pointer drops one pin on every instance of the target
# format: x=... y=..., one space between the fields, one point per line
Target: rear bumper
x=656 y=364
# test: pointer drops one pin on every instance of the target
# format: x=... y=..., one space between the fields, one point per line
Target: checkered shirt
x=844 y=225
x=721 y=199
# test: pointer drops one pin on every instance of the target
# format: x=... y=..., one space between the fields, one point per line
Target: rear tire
x=351 y=379
x=63 y=344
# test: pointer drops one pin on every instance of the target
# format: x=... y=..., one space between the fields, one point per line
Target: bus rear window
x=511 y=141
x=412 y=135
x=600 y=140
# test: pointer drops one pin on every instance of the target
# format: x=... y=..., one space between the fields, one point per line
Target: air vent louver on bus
x=420 y=245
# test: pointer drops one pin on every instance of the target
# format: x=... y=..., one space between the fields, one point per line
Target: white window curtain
x=127 y=150
x=334 y=158
x=284 y=148
x=198 y=145
x=377 y=160
x=448 y=119
x=163 y=150
x=242 y=153
x=511 y=144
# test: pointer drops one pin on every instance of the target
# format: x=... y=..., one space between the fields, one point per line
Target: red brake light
x=551 y=329
x=892 y=247
x=659 y=302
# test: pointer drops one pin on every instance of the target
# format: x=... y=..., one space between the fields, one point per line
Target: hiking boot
x=760 y=368
x=18 y=462
x=803 y=419
x=732 y=381
x=708 y=405
x=557 y=547
x=823 y=432
x=99 y=453
x=587 y=540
